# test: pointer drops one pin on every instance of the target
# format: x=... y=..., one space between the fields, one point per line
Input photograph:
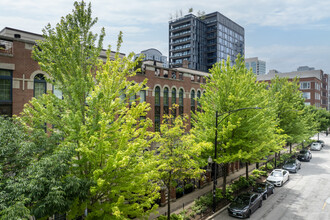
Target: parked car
x=265 y=189
x=292 y=165
x=304 y=155
x=316 y=146
x=245 y=204
x=321 y=142
x=278 y=177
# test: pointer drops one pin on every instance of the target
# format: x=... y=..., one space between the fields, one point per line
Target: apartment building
x=313 y=85
x=258 y=66
x=204 y=40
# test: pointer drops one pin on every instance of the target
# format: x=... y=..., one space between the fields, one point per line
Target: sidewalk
x=188 y=200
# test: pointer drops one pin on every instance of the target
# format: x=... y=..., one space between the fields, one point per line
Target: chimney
x=185 y=64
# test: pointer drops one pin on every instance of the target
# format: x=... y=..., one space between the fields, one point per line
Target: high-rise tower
x=204 y=40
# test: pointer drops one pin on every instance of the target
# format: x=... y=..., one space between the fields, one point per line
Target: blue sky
x=284 y=33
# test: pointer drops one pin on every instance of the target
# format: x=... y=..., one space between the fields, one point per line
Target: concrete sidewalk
x=188 y=200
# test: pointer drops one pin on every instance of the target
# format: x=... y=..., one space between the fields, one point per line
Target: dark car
x=245 y=204
x=304 y=155
x=292 y=165
x=265 y=189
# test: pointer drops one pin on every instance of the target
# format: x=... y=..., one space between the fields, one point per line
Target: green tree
x=178 y=154
x=289 y=106
x=98 y=163
x=244 y=133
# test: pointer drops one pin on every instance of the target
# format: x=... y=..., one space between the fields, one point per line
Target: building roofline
x=26 y=32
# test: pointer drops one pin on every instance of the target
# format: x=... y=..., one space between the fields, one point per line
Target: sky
x=284 y=33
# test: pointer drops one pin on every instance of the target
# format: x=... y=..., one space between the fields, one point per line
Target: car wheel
x=260 y=204
x=272 y=192
x=281 y=183
x=295 y=170
x=266 y=196
x=249 y=214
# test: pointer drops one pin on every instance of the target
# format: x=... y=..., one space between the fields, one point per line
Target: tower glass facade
x=204 y=40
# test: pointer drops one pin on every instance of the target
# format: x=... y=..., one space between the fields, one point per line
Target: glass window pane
x=5 y=90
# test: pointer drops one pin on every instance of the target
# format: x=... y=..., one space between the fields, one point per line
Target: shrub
x=270 y=166
x=258 y=173
x=179 y=192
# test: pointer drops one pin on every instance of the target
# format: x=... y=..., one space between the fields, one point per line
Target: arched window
x=181 y=102
x=39 y=85
x=192 y=104
x=198 y=102
x=157 y=108
x=165 y=101
x=173 y=102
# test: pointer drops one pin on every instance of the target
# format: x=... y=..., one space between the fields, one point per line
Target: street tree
x=246 y=123
x=177 y=155
x=289 y=106
x=99 y=164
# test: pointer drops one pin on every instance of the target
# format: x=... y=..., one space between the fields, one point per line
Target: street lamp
x=216 y=144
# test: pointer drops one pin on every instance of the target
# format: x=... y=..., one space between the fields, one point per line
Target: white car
x=316 y=146
x=278 y=177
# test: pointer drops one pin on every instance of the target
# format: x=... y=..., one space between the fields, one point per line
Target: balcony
x=6 y=47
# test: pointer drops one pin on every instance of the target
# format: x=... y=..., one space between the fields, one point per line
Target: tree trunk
x=247 y=170
x=169 y=197
x=257 y=165
x=275 y=160
x=224 y=183
x=290 y=148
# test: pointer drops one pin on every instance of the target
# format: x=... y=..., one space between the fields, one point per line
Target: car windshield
x=303 y=151
x=260 y=186
x=243 y=199
x=276 y=174
x=290 y=162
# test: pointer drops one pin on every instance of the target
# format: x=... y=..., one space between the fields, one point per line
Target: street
x=305 y=196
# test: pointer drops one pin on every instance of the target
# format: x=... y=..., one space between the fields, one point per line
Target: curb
x=217 y=212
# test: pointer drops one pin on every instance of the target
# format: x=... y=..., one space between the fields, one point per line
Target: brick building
x=313 y=85
x=167 y=86
x=20 y=75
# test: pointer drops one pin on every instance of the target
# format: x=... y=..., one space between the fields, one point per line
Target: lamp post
x=216 y=145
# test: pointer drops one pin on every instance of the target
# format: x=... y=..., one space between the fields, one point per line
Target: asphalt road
x=305 y=196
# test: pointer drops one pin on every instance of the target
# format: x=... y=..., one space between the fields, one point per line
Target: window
x=157 y=109
x=132 y=99
x=173 y=75
x=39 y=85
x=305 y=85
x=317 y=86
x=166 y=74
x=173 y=102
x=317 y=96
x=306 y=95
x=157 y=72
x=307 y=103
x=181 y=102
x=57 y=92
x=198 y=103
x=143 y=94
x=5 y=92
x=192 y=77
x=165 y=101
x=192 y=101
